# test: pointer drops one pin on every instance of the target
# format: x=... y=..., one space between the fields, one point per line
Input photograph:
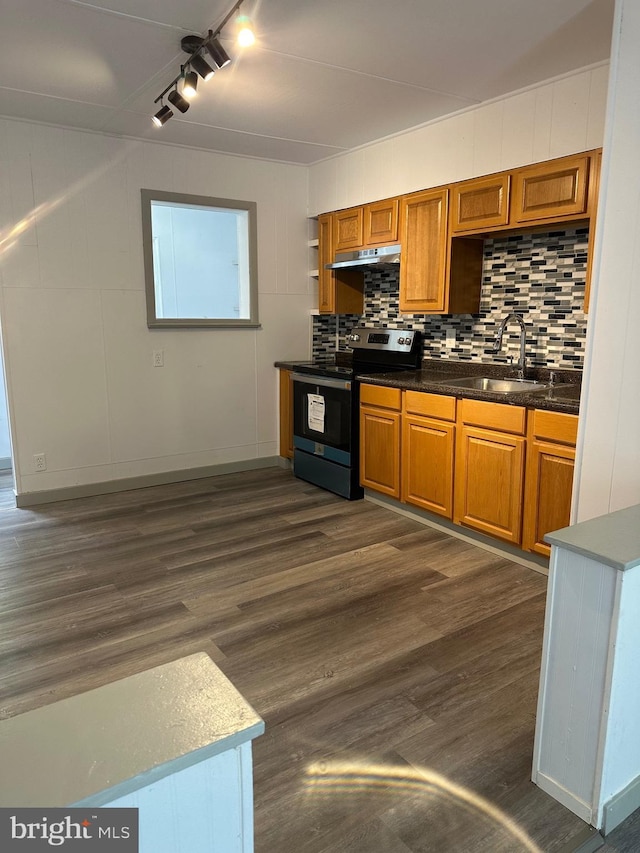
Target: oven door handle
x=324 y=381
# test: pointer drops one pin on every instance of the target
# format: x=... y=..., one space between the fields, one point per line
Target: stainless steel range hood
x=381 y=256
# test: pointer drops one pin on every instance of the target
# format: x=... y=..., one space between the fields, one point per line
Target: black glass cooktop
x=323 y=367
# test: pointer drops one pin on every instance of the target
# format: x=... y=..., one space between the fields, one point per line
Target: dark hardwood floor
x=396 y=668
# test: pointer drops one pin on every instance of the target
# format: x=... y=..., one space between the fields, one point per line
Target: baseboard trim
x=144 y=481
x=509 y=552
x=621 y=806
x=586 y=841
x=565 y=797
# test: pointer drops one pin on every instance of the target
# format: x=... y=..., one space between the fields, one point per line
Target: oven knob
x=354 y=337
x=400 y=340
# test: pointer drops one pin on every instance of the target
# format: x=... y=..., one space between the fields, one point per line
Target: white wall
x=608 y=454
x=78 y=354
x=546 y=121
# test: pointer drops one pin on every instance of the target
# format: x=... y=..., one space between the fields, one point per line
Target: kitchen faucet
x=523 y=340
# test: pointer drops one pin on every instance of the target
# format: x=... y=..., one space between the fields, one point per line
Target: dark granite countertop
x=563 y=397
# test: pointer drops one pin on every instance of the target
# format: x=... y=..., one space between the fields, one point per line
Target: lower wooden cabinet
x=493 y=467
x=490 y=468
x=380 y=439
x=428 y=437
x=286 y=414
x=549 y=483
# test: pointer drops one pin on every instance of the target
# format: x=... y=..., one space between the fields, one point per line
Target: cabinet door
x=381 y=223
x=427 y=464
x=550 y=190
x=423 y=233
x=348 y=229
x=489 y=480
x=547 y=493
x=286 y=414
x=481 y=203
x=380 y=450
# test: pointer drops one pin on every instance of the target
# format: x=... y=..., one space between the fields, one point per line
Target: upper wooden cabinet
x=441 y=232
x=374 y=224
x=339 y=291
x=381 y=222
x=550 y=190
x=438 y=275
x=348 y=229
x=423 y=233
x=534 y=196
x=480 y=203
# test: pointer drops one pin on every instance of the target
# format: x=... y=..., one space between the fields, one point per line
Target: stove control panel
x=391 y=340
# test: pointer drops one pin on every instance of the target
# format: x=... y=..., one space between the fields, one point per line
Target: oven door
x=322 y=417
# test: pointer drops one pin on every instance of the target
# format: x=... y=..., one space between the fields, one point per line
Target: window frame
x=155 y=322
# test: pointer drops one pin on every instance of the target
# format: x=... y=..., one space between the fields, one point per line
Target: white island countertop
x=613 y=539
x=113 y=740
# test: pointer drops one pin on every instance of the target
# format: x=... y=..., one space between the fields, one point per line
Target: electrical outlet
x=158 y=358
x=451 y=337
x=39 y=461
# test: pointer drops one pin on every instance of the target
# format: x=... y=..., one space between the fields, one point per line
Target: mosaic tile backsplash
x=541 y=276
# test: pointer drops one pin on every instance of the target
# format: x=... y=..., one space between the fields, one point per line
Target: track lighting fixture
x=162 y=116
x=178 y=101
x=196 y=65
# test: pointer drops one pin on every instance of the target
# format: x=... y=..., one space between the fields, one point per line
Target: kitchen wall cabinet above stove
x=339 y=291
x=539 y=195
x=374 y=224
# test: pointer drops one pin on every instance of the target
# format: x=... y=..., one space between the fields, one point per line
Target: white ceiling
x=324 y=76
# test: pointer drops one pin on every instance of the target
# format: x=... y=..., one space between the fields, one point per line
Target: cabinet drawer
x=554 y=426
x=493 y=415
x=430 y=405
x=377 y=395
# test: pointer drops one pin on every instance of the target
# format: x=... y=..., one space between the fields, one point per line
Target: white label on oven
x=315 y=412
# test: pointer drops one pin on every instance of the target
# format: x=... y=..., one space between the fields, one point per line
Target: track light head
x=202 y=67
x=178 y=101
x=162 y=116
x=217 y=52
x=246 y=36
x=190 y=85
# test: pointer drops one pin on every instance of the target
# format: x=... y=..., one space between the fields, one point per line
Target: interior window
x=200 y=260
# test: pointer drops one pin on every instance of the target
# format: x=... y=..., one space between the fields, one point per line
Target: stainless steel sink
x=498 y=386
x=562 y=392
